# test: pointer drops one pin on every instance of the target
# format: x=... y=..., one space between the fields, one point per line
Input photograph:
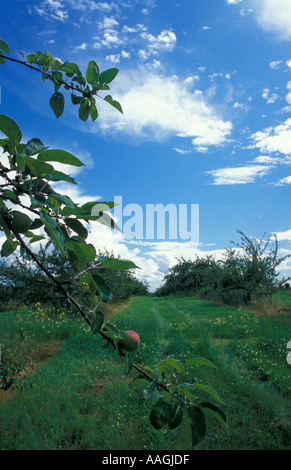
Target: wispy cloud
x=165 y=108
x=284 y=181
x=270 y=98
x=273 y=16
x=238 y=175
x=53 y=9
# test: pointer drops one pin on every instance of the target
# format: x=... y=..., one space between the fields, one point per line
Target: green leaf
x=183 y=436
x=107 y=298
x=38 y=168
x=117 y=264
x=97 y=322
x=160 y=414
x=11 y=129
x=96 y=207
x=197 y=423
x=60 y=176
x=128 y=365
x=37 y=223
x=8 y=247
x=199 y=361
x=148 y=393
x=76 y=99
x=188 y=393
x=109 y=333
x=21 y=222
x=61 y=156
x=100 y=282
x=113 y=103
x=140 y=380
x=92 y=73
x=4 y=46
x=36 y=238
x=176 y=416
x=57 y=103
x=69 y=68
x=34 y=146
x=93 y=112
x=5 y=227
x=76 y=226
x=167 y=366
x=209 y=390
x=107 y=76
x=57 y=63
x=62 y=199
x=31 y=58
x=84 y=110
x=54 y=232
x=215 y=411
x=107 y=220
x=81 y=253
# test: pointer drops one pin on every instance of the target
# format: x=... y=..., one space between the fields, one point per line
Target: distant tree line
x=23 y=283
x=245 y=273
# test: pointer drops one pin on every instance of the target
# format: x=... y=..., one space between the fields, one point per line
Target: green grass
x=79 y=399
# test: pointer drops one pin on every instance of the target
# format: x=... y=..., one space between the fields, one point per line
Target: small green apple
x=130 y=341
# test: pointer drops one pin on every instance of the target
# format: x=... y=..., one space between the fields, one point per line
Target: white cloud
x=181 y=150
x=108 y=23
x=111 y=39
x=52 y=9
x=270 y=99
x=125 y=54
x=245 y=11
x=233 y=2
x=157 y=106
x=238 y=175
x=114 y=58
x=284 y=235
x=273 y=16
x=275 y=64
x=242 y=106
x=82 y=47
x=143 y=54
x=165 y=40
x=284 y=181
x=274 y=138
x=273 y=160
x=189 y=80
x=90 y=5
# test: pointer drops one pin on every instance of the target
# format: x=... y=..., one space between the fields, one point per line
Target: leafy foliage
x=12 y=374
x=239 y=277
x=84 y=89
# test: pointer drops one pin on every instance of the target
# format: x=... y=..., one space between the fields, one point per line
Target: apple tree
x=31 y=209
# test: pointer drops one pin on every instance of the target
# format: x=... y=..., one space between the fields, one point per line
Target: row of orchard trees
x=24 y=283
x=245 y=273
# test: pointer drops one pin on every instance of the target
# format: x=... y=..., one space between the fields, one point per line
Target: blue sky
x=205 y=87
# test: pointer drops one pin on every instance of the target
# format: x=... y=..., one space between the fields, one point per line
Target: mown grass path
x=80 y=401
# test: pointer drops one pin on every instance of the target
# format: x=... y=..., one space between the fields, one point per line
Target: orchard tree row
x=245 y=273
x=24 y=283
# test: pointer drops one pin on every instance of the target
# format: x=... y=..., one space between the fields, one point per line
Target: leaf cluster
x=178 y=406
x=84 y=88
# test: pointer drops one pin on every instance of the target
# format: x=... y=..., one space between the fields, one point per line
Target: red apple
x=130 y=341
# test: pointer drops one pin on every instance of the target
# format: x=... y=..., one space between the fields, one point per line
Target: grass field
x=79 y=399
